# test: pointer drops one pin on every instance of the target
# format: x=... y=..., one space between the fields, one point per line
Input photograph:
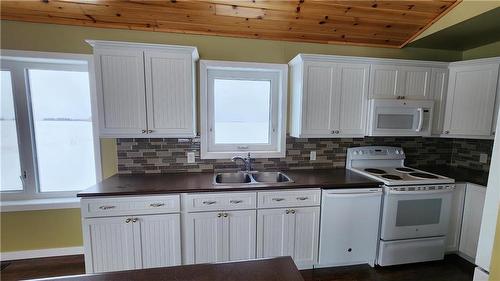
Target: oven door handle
x=395 y=192
x=420 y=119
x=352 y=195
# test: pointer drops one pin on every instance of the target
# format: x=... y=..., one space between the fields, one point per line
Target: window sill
x=39 y=204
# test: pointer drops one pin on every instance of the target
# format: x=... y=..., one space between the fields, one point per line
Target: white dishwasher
x=350 y=220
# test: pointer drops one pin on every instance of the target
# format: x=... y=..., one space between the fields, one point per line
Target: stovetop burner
x=406 y=170
x=423 y=175
x=375 y=171
x=392 y=177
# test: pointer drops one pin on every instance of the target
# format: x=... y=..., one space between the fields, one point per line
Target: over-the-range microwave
x=399 y=117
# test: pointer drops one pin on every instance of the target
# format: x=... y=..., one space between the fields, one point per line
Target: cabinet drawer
x=289 y=198
x=136 y=205
x=219 y=201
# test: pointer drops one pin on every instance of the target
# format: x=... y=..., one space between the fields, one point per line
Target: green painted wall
x=61 y=228
x=485 y=51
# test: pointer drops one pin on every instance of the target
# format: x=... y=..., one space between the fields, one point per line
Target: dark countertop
x=139 y=184
x=460 y=174
x=276 y=269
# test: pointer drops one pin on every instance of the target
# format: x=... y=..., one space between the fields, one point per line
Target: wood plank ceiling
x=358 y=22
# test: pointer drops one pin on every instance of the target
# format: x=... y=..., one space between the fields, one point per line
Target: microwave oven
x=389 y=117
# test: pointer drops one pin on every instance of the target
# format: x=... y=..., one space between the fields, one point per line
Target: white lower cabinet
x=124 y=243
x=220 y=236
x=289 y=232
x=471 y=222
x=455 y=226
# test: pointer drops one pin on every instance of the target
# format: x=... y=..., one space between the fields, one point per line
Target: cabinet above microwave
x=400 y=117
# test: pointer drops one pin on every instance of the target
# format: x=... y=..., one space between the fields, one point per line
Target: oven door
x=415 y=214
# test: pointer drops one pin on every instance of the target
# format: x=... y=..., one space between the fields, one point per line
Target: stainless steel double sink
x=250 y=178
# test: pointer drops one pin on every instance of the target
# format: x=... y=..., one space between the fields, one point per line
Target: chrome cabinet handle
x=209 y=202
x=150 y=131
x=143 y=131
x=302 y=198
x=107 y=207
x=446 y=132
x=235 y=201
x=225 y=215
x=128 y=220
x=156 y=205
x=219 y=215
x=135 y=219
x=287 y=212
x=278 y=199
x=292 y=211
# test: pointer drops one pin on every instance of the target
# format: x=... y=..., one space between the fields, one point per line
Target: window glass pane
x=242 y=111
x=63 y=129
x=10 y=168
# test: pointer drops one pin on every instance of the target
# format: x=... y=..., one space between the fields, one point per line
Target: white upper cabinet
x=329 y=98
x=145 y=90
x=470 y=101
x=439 y=86
x=392 y=81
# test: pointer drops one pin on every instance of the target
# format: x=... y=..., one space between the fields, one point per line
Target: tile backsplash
x=159 y=155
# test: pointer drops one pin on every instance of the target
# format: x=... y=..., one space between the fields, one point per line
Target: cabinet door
x=239 y=235
x=204 y=238
x=318 y=105
x=384 y=81
x=121 y=91
x=439 y=86
x=352 y=92
x=160 y=242
x=457 y=208
x=471 y=222
x=273 y=236
x=414 y=83
x=305 y=232
x=109 y=244
x=471 y=100
x=170 y=94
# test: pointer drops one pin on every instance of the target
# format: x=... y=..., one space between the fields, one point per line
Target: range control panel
x=375 y=152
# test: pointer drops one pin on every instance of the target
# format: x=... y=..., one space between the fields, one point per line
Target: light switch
x=190 y=157
x=312 y=155
x=483 y=158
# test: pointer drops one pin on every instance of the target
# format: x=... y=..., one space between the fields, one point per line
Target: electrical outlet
x=483 y=158
x=190 y=157
x=312 y=155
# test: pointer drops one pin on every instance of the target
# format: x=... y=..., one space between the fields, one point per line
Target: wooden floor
x=452 y=268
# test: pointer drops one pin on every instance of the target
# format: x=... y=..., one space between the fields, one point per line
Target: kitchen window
x=243 y=109
x=49 y=145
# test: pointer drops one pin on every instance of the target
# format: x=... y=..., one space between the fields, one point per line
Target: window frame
x=277 y=74
x=18 y=62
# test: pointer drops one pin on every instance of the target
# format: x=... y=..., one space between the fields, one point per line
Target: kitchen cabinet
x=124 y=243
x=289 y=232
x=220 y=236
x=470 y=104
x=456 y=214
x=145 y=90
x=471 y=222
x=329 y=98
x=439 y=87
x=392 y=81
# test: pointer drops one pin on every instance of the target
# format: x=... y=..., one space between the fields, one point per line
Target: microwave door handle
x=421 y=119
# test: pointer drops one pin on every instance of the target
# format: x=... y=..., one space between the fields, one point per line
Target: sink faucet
x=246 y=160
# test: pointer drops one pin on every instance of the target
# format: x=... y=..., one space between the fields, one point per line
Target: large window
x=243 y=109
x=48 y=146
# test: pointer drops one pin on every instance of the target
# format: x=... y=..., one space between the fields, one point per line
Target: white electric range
x=416 y=205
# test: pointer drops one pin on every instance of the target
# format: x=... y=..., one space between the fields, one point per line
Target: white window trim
x=281 y=70
x=29 y=194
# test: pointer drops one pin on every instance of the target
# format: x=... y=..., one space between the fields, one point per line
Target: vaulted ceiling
x=357 y=22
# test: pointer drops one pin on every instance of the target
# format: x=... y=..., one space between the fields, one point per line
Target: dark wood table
x=275 y=269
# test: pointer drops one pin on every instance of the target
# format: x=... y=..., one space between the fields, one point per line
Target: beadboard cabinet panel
x=204 y=238
x=471 y=100
x=169 y=93
x=120 y=87
x=471 y=222
x=240 y=229
x=305 y=229
x=384 y=81
x=416 y=82
x=439 y=87
x=272 y=233
x=456 y=214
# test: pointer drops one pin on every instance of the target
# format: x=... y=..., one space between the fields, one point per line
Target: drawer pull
x=302 y=198
x=156 y=205
x=135 y=219
x=107 y=207
x=209 y=202
x=278 y=199
x=236 y=201
x=292 y=211
x=219 y=215
x=128 y=220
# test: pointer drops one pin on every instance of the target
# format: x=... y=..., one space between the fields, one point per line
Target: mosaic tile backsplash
x=159 y=155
